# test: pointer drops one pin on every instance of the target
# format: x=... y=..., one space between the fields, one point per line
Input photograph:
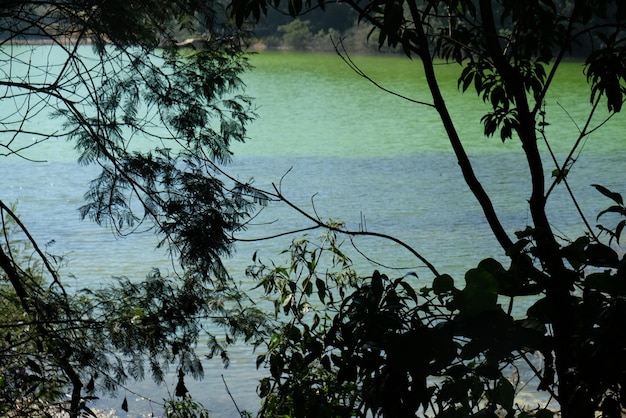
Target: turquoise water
x=364 y=154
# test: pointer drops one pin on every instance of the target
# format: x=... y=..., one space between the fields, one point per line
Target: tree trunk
x=561 y=278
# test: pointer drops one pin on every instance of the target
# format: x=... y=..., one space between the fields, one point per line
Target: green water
x=323 y=108
x=364 y=151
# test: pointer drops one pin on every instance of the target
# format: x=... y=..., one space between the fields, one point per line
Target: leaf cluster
x=385 y=349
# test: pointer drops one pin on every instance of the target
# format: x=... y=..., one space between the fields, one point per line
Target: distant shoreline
x=43 y=41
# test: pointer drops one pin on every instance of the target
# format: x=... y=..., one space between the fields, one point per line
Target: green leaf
x=559 y=174
x=619 y=228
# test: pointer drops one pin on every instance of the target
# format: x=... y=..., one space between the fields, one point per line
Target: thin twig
x=241 y=414
x=343 y=54
x=330 y=227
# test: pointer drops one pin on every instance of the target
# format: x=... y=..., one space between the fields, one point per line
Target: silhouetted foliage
x=158 y=117
x=389 y=350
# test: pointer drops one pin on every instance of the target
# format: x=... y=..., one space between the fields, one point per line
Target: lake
x=363 y=154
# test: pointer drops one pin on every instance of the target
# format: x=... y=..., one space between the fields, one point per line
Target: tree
x=158 y=120
x=508 y=52
x=296 y=34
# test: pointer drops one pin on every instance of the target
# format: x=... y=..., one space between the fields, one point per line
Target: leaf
x=619 y=228
x=575 y=252
x=616 y=197
x=259 y=360
x=90 y=385
x=325 y=362
x=321 y=289
x=613 y=209
x=601 y=255
x=293 y=333
x=33 y=366
x=409 y=290
x=287 y=303
x=520 y=245
x=316 y=321
x=467 y=76
x=602 y=282
x=377 y=285
x=611 y=408
x=480 y=293
x=442 y=284
x=504 y=394
x=276 y=366
x=180 y=390
x=559 y=174
x=491 y=265
x=125 y=404
x=264 y=387
x=541 y=310
x=294 y=7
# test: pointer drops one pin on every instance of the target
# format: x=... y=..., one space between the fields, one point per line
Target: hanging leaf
x=125 y=405
x=90 y=385
x=181 y=389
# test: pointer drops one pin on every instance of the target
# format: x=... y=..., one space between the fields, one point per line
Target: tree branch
x=320 y=224
x=458 y=148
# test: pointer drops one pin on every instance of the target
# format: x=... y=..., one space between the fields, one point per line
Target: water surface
x=363 y=154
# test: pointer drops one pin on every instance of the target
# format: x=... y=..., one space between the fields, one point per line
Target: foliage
x=184 y=408
x=158 y=120
x=444 y=350
x=307 y=295
x=350 y=346
x=345 y=345
x=296 y=34
x=26 y=375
